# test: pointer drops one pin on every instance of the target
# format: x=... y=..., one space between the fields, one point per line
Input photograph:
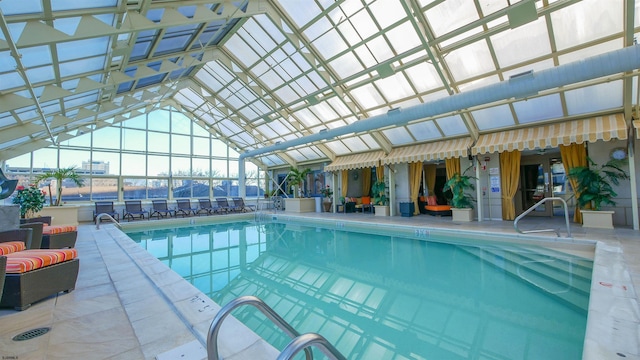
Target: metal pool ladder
x=298 y=342
x=566 y=217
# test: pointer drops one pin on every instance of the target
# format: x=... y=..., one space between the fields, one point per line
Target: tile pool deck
x=128 y=305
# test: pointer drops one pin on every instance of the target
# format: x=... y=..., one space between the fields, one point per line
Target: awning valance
x=438 y=150
x=552 y=135
x=355 y=161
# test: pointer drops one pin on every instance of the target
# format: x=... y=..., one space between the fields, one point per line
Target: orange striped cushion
x=57 y=229
x=11 y=247
x=438 y=207
x=28 y=260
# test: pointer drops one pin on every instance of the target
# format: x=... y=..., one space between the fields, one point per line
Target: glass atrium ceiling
x=257 y=73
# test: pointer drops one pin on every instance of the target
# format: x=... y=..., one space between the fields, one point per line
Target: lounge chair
x=105 y=207
x=3 y=270
x=206 y=207
x=184 y=208
x=241 y=206
x=46 y=236
x=160 y=209
x=33 y=275
x=133 y=209
x=435 y=209
x=223 y=204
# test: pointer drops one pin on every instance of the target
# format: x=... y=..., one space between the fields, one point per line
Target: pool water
x=382 y=297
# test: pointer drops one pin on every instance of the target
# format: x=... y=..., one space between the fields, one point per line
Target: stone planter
x=326 y=205
x=61 y=215
x=381 y=210
x=461 y=215
x=601 y=219
x=300 y=205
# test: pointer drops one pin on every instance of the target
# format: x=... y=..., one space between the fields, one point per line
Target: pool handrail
x=566 y=217
x=99 y=217
x=299 y=342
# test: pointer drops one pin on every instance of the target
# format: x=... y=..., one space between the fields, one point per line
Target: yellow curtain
x=453 y=166
x=430 y=174
x=380 y=173
x=509 y=179
x=345 y=182
x=366 y=181
x=574 y=155
x=415 y=175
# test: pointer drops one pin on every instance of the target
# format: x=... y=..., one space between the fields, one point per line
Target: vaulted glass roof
x=258 y=73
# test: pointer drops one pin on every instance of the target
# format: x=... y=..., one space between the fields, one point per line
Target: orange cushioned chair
x=434 y=209
x=59 y=236
x=33 y=275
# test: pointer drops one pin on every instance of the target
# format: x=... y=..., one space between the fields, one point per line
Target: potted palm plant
x=67 y=215
x=594 y=187
x=296 y=178
x=379 y=199
x=461 y=202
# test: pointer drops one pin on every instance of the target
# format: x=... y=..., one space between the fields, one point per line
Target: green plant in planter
x=594 y=184
x=60 y=175
x=459 y=184
x=379 y=191
x=296 y=178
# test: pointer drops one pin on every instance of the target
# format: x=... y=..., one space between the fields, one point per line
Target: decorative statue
x=7 y=187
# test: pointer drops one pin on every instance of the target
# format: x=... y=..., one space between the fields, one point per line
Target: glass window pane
x=135 y=140
x=180 y=166
x=46 y=158
x=219 y=168
x=159 y=121
x=158 y=142
x=108 y=161
x=103 y=189
x=134 y=164
x=107 y=138
x=201 y=146
x=158 y=188
x=180 y=124
x=134 y=189
x=200 y=167
x=180 y=144
x=72 y=192
x=138 y=122
x=200 y=189
x=157 y=165
x=218 y=148
x=181 y=188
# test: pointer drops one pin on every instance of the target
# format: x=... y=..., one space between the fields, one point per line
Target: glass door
x=535 y=186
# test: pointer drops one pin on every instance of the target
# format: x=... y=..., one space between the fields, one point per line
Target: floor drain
x=30 y=334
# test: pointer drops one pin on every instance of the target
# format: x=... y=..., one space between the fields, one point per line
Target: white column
x=480 y=200
x=634 y=186
x=242 y=190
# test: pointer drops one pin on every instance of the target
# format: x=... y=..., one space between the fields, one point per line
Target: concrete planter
x=601 y=219
x=61 y=215
x=461 y=215
x=300 y=205
x=381 y=210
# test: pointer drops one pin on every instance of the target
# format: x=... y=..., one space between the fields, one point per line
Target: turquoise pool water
x=382 y=297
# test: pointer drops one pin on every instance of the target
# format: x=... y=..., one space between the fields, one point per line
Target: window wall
x=162 y=154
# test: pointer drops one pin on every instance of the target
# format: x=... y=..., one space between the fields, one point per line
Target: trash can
x=318 y=204
x=407 y=209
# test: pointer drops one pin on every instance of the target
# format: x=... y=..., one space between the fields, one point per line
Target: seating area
x=105 y=207
x=163 y=208
x=431 y=206
x=33 y=274
x=46 y=236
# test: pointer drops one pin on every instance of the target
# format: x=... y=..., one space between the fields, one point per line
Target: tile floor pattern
x=128 y=305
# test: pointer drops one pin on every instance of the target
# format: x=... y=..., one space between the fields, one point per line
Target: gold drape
x=366 y=181
x=574 y=155
x=430 y=174
x=415 y=175
x=345 y=182
x=509 y=179
x=380 y=173
x=453 y=166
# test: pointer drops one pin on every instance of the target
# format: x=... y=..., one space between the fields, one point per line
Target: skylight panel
x=267 y=131
x=398 y=136
x=349 y=32
x=364 y=25
x=538 y=109
x=155 y=79
x=339 y=106
x=40 y=74
x=205 y=77
x=346 y=65
x=21 y=7
x=380 y=49
x=270 y=28
x=387 y=12
x=248 y=113
x=7 y=62
x=301 y=15
x=86 y=98
x=311 y=152
x=337 y=147
x=306 y=117
x=574 y=25
x=330 y=44
x=594 y=98
x=424 y=131
x=35 y=56
x=241 y=50
x=169 y=44
x=280 y=127
x=514 y=46
x=590 y=51
x=452 y=125
x=63 y=5
x=296 y=155
x=490 y=6
x=324 y=112
x=367 y=96
x=493 y=118
x=232 y=126
x=450 y=15
x=72 y=68
x=471 y=60
x=271 y=79
x=287 y=94
x=355 y=144
x=394 y=87
x=403 y=38
x=72 y=50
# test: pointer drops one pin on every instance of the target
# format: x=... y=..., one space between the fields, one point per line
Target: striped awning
x=552 y=135
x=429 y=151
x=355 y=161
x=636 y=128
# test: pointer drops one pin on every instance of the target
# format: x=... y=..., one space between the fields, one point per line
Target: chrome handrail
x=566 y=217
x=299 y=342
x=303 y=342
x=99 y=217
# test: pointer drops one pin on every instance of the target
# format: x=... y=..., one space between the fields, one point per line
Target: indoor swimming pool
x=376 y=296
